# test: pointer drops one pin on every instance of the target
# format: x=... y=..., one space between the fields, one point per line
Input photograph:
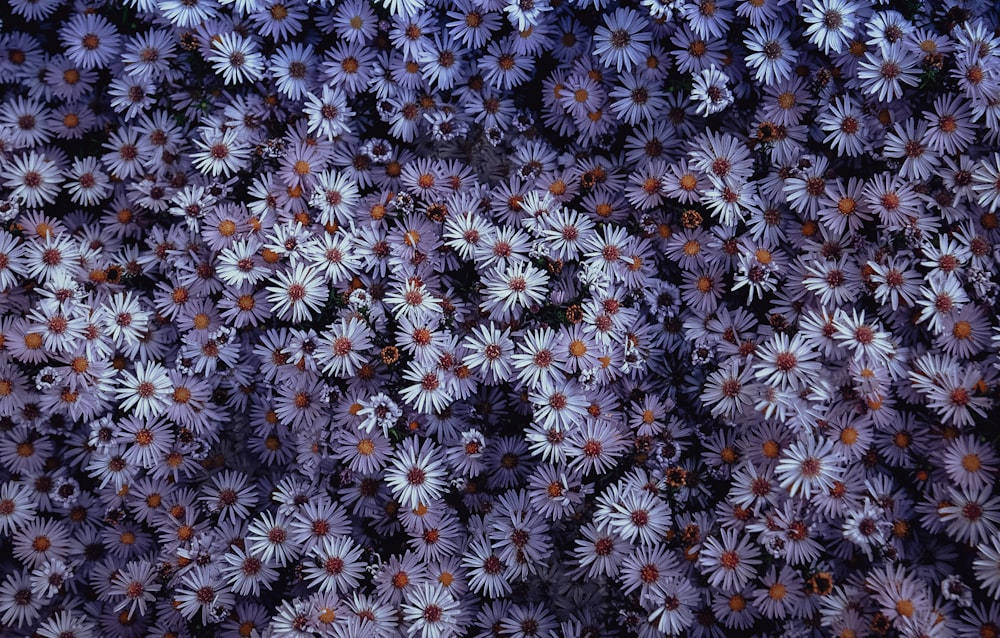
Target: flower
x=344 y=346
x=948 y=126
x=490 y=351
x=599 y=552
x=636 y=99
x=87 y=184
x=16 y=508
x=771 y=55
x=987 y=565
x=486 y=569
x=728 y=561
x=831 y=23
x=517 y=285
x=268 y=539
x=969 y=463
x=809 y=466
x=846 y=127
x=711 y=90
x=953 y=395
x=503 y=67
x=674 y=600
x=412 y=299
x=884 y=72
x=245 y=573
x=416 y=475
x=431 y=611
x=640 y=517
x=293 y=67
x=236 y=58
x=785 y=363
x=782 y=592
x=230 y=495
x=334 y=565
x=200 y=593
x=296 y=293
x=147 y=56
x=919 y=162
x=221 y=153
x=20 y=607
x=941 y=297
x=869 y=343
x=64 y=623
x=984 y=182
x=136 y=584
x=522 y=621
x=89 y=40
x=27 y=121
x=328 y=112
x=32 y=177
x=144 y=391
x=278 y=20
x=594 y=446
x=124 y=320
x=867 y=528
x=621 y=41
x=729 y=390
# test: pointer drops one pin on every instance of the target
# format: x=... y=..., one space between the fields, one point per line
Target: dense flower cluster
x=499 y=318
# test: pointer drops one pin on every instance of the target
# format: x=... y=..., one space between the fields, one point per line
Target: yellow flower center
x=904 y=608
x=971 y=462
x=849 y=436
x=962 y=330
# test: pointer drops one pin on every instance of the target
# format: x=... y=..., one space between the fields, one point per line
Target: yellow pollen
x=962 y=330
x=971 y=462
x=849 y=436
x=227 y=228
x=327 y=616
